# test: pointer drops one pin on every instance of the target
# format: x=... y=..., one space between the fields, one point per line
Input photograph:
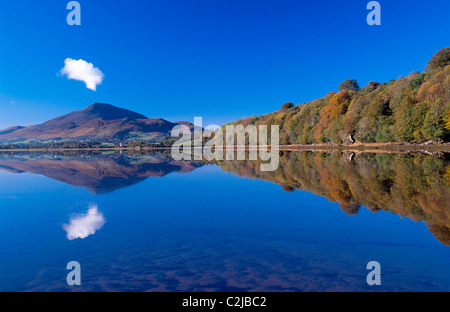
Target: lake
x=145 y=222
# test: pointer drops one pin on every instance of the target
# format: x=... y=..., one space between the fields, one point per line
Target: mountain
x=415 y=108
x=98 y=122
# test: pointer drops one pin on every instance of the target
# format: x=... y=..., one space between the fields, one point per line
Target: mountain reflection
x=99 y=172
x=412 y=185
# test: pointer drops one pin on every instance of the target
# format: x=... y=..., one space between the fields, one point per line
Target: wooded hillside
x=415 y=108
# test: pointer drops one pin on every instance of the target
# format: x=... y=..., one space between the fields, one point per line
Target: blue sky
x=218 y=59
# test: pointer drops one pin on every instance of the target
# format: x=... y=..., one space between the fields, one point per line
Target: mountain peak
x=111 y=112
x=97 y=105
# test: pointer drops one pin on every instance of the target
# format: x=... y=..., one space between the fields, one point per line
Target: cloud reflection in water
x=84 y=225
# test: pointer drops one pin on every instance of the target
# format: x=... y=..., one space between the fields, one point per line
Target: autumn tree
x=447 y=120
x=337 y=105
x=336 y=108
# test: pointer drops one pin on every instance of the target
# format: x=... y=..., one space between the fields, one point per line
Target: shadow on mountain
x=98 y=172
x=416 y=186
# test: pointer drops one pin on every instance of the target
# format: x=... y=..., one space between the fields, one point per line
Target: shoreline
x=357 y=147
x=373 y=147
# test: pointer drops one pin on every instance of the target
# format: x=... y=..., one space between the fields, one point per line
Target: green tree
x=417 y=82
x=440 y=59
x=433 y=125
x=286 y=106
x=404 y=129
x=349 y=84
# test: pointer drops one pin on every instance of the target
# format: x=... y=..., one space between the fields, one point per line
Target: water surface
x=149 y=223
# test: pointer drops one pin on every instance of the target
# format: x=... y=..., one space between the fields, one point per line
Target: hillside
x=415 y=108
x=98 y=123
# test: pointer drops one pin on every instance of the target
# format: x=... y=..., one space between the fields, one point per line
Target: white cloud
x=84 y=225
x=83 y=71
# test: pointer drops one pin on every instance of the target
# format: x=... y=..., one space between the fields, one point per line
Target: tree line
x=415 y=108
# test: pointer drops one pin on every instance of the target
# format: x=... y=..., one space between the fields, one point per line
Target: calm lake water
x=149 y=223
